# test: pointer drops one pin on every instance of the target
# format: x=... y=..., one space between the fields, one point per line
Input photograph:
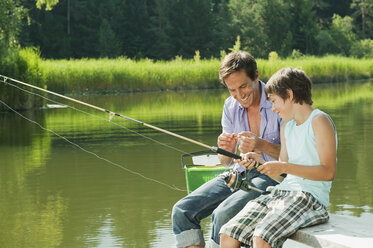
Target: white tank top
x=301 y=148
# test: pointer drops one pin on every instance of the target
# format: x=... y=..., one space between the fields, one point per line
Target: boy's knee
x=259 y=242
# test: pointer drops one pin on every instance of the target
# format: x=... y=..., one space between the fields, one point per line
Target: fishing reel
x=236 y=180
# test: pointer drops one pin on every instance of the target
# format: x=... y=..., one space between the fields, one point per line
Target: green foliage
x=272 y=56
x=222 y=54
x=342 y=32
x=108 y=44
x=161 y=29
x=11 y=14
x=326 y=43
x=126 y=75
x=362 y=49
x=363 y=13
x=339 y=38
x=296 y=54
x=237 y=45
x=47 y=3
x=275 y=25
x=197 y=57
x=22 y=65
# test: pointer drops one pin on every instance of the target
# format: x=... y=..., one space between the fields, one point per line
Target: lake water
x=82 y=181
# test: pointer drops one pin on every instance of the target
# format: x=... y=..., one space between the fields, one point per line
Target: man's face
x=242 y=88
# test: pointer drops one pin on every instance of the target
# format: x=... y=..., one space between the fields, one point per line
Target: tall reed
x=122 y=74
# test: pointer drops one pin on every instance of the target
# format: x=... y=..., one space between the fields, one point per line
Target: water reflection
x=53 y=194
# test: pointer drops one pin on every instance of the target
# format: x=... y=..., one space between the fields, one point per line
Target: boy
x=308 y=156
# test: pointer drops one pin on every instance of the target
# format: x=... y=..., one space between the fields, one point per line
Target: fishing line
x=89 y=152
x=99 y=117
x=111 y=114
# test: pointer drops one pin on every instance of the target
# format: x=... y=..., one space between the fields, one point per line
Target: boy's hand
x=272 y=169
x=249 y=160
x=248 y=142
x=227 y=141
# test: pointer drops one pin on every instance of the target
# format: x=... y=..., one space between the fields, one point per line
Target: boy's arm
x=326 y=148
x=283 y=157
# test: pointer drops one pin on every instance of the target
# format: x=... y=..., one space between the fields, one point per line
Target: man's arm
x=250 y=142
x=269 y=148
x=227 y=141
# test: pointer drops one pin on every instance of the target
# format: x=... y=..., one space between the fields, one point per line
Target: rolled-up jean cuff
x=211 y=244
x=190 y=237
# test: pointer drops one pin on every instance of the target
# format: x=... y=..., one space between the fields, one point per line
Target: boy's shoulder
x=323 y=122
x=322 y=118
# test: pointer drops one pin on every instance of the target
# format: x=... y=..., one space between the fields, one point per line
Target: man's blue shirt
x=235 y=120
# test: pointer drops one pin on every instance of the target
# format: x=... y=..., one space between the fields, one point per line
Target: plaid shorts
x=275 y=217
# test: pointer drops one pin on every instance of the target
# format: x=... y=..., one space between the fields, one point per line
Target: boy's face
x=281 y=106
x=242 y=88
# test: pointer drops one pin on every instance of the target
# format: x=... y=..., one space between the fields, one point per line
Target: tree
x=342 y=32
x=275 y=25
x=364 y=10
x=303 y=25
x=11 y=14
x=109 y=45
x=192 y=27
x=47 y=3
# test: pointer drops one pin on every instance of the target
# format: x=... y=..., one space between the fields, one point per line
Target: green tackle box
x=204 y=167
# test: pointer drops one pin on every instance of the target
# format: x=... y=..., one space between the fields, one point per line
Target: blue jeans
x=216 y=198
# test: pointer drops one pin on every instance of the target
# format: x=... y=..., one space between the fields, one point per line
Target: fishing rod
x=234 y=179
x=112 y=114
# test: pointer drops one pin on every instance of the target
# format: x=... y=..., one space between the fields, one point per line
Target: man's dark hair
x=293 y=79
x=237 y=61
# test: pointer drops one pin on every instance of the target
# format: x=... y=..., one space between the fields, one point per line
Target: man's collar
x=264 y=103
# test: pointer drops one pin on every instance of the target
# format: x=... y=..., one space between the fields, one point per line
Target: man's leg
x=235 y=203
x=189 y=211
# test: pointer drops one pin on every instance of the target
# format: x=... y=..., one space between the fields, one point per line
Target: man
x=247 y=118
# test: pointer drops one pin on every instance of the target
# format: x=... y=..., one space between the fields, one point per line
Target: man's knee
x=177 y=211
x=220 y=216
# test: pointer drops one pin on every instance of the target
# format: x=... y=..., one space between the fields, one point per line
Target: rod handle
x=226 y=153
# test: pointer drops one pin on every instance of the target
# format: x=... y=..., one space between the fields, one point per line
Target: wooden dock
x=339 y=231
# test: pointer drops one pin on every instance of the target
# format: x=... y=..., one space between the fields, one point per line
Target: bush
x=273 y=56
x=296 y=54
x=362 y=49
x=23 y=65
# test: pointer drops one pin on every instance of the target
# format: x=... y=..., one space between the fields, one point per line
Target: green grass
x=126 y=75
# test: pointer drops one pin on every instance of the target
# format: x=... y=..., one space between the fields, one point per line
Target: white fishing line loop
x=111 y=115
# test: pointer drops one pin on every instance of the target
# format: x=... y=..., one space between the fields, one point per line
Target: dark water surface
x=54 y=194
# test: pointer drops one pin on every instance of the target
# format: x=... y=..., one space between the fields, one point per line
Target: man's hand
x=248 y=142
x=227 y=141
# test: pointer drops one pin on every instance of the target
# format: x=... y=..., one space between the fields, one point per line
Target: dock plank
x=339 y=231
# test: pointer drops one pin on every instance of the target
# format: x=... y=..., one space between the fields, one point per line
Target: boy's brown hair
x=237 y=61
x=289 y=78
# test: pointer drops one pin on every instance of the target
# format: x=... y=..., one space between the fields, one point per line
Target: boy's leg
x=289 y=211
x=189 y=211
x=274 y=217
x=235 y=203
x=241 y=227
